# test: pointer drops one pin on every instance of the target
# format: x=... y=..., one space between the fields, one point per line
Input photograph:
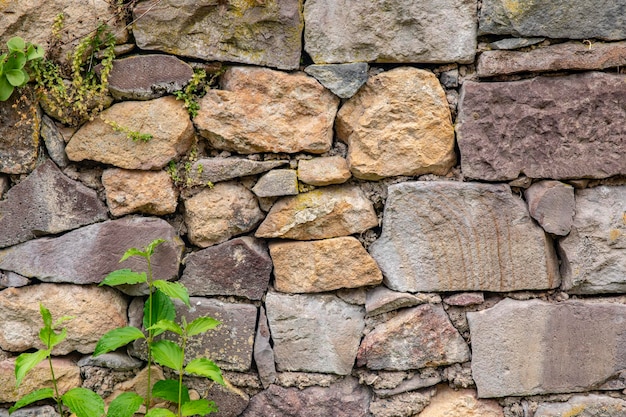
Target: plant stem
x=180 y=372
x=57 y=396
x=150 y=336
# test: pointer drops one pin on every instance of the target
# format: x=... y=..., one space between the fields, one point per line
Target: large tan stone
x=319 y=214
x=262 y=110
x=398 y=123
x=460 y=403
x=164 y=118
x=322 y=265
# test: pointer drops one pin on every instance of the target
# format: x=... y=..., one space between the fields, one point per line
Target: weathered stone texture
x=319 y=214
x=240 y=267
x=425 y=31
x=54 y=141
x=262 y=110
x=398 y=124
x=562 y=56
x=603 y=19
x=551 y=203
x=407 y=404
x=164 y=118
x=382 y=300
x=65 y=370
x=460 y=403
x=591 y=405
x=19 y=148
x=95 y=311
x=263 y=352
x=518 y=346
x=452 y=236
x=465 y=299
x=258 y=33
x=324 y=170
x=515 y=43
x=216 y=214
x=415 y=338
x=41 y=411
x=344 y=80
x=222 y=169
x=594 y=253
x=314 y=333
x=47 y=202
x=277 y=183
x=322 y=265
x=545 y=127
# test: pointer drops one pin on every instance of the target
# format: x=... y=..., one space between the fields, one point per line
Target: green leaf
x=16 y=60
x=34 y=52
x=162 y=309
x=45 y=315
x=160 y=412
x=50 y=338
x=206 y=368
x=83 y=402
x=40 y=394
x=165 y=325
x=152 y=246
x=201 y=325
x=27 y=361
x=168 y=353
x=16 y=77
x=202 y=407
x=173 y=290
x=124 y=276
x=16 y=44
x=167 y=389
x=6 y=89
x=62 y=320
x=133 y=252
x=117 y=338
x=125 y=405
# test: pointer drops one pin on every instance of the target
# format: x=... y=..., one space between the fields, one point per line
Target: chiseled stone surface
x=19 y=148
x=453 y=236
x=322 y=265
x=240 y=267
x=591 y=405
x=65 y=370
x=399 y=123
x=324 y=170
x=594 y=253
x=517 y=346
x=164 y=118
x=563 y=56
x=460 y=403
x=552 y=204
x=342 y=79
x=250 y=32
x=263 y=110
x=415 y=338
x=222 y=169
x=578 y=19
x=319 y=214
x=47 y=202
x=135 y=191
x=353 y=31
x=314 y=333
x=277 y=183
x=508 y=128
x=216 y=214
x=95 y=311
x=88 y=254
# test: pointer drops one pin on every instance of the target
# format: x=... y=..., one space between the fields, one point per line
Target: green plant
x=13 y=63
x=197 y=87
x=130 y=134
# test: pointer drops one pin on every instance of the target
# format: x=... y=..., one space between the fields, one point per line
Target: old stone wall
x=395 y=208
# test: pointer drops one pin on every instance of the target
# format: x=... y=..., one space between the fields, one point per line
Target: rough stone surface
x=398 y=124
x=515 y=43
x=465 y=299
x=552 y=204
x=324 y=170
x=517 y=346
x=263 y=352
x=96 y=310
x=584 y=406
x=87 y=255
x=4 y=185
x=345 y=398
x=262 y=110
x=407 y=404
x=276 y=183
x=148 y=192
x=314 y=333
x=11 y=279
x=581 y=137
x=54 y=141
x=258 y=32
x=427 y=378
x=230 y=400
x=216 y=214
x=593 y=255
x=415 y=338
x=322 y=265
x=113 y=360
x=164 y=118
x=563 y=56
x=223 y=169
x=146 y=77
x=19 y=148
x=453 y=236
x=47 y=202
x=426 y=31
x=460 y=403
x=344 y=80
x=42 y=411
x=382 y=300
x=554 y=19
x=240 y=267
x=66 y=372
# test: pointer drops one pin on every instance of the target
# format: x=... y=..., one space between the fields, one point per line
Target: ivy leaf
x=206 y=368
x=167 y=389
x=162 y=309
x=125 y=405
x=117 y=338
x=202 y=407
x=201 y=325
x=165 y=325
x=133 y=252
x=124 y=276
x=168 y=353
x=153 y=245
x=160 y=412
x=27 y=361
x=83 y=402
x=173 y=290
x=40 y=394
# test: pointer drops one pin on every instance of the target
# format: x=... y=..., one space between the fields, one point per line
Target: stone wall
x=395 y=208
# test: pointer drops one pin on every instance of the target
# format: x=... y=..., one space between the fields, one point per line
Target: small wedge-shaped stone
x=319 y=214
x=551 y=203
x=263 y=352
x=277 y=183
x=65 y=371
x=322 y=265
x=460 y=403
x=88 y=254
x=342 y=79
x=47 y=202
x=415 y=338
x=223 y=169
x=105 y=139
x=324 y=170
x=399 y=123
x=452 y=236
x=591 y=405
x=382 y=300
x=95 y=311
x=262 y=110
x=518 y=347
